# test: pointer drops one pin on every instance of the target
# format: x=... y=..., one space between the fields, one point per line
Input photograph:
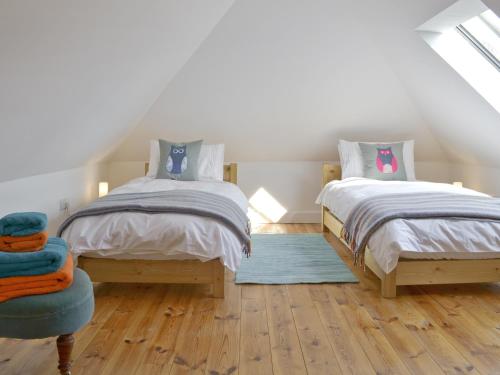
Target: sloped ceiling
x=76 y=76
x=466 y=125
x=284 y=80
x=494 y=5
x=274 y=80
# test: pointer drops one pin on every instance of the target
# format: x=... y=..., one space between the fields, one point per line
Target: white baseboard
x=303 y=217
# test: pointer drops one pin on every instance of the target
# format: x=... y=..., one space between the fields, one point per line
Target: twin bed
x=160 y=247
x=414 y=252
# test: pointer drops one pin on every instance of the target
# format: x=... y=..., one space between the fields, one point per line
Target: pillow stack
x=30 y=261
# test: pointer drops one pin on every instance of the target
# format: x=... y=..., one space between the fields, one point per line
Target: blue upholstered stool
x=47 y=315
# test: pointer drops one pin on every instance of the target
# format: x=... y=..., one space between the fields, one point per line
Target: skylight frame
x=476 y=43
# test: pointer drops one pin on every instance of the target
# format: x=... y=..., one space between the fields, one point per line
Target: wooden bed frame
x=161 y=271
x=414 y=272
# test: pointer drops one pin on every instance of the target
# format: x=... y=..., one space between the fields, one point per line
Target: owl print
x=177 y=159
x=386 y=160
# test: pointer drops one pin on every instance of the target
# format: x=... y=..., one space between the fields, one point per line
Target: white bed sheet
x=414 y=239
x=133 y=235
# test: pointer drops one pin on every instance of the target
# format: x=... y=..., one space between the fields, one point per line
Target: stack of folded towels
x=30 y=261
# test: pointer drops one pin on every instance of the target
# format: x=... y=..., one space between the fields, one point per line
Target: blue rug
x=292 y=259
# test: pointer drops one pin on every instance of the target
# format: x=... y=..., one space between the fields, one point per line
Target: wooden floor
x=279 y=329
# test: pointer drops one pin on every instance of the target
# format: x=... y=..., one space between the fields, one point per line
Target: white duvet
x=414 y=239
x=131 y=235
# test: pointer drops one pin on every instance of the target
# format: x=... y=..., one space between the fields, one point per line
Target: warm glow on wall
x=458 y=184
x=103 y=189
x=265 y=208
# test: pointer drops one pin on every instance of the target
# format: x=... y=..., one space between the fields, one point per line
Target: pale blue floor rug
x=292 y=259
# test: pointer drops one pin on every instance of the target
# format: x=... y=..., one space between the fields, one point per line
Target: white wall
x=465 y=124
x=76 y=76
x=484 y=179
x=276 y=81
x=43 y=192
x=283 y=80
x=494 y=5
x=121 y=172
x=295 y=185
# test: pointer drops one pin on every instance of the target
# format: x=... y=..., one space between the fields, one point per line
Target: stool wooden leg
x=64 y=348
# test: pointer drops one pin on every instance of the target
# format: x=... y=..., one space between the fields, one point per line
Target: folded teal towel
x=23 y=224
x=48 y=260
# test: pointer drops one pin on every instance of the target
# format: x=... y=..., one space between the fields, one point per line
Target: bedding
x=210 y=162
x=434 y=238
x=351 y=158
x=181 y=201
x=371 y=213
x=161 y=236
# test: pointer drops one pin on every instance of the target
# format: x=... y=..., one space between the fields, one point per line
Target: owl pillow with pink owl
x=383 y=161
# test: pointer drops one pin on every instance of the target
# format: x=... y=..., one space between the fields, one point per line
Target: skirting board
x=293 y=217
x=306 y=217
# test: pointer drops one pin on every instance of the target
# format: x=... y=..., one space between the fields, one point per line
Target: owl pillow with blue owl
x=383 y=161
x=179 y=161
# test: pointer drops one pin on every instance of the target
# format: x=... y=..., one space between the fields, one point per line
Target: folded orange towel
x=20 y=286
x=33 y=242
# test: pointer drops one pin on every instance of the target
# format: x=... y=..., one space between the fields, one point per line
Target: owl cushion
x=383 y=161
x=351 y=159
x=210 y=162
x=179 y=161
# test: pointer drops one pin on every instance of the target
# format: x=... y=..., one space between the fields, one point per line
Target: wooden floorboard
x=279 y=329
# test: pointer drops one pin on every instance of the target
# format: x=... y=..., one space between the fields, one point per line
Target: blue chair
x=48 y=315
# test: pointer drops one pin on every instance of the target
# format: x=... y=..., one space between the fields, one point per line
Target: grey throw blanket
x=371 y=213
x=191 y=202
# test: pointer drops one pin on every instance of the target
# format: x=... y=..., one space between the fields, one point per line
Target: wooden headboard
x=331 y=172
x=230 y=172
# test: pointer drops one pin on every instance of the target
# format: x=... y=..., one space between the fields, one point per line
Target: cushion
x=179 y=161
x=48 y=315
x=351 y=159
x=154 y=158
x=210 y=162
x=383 y=162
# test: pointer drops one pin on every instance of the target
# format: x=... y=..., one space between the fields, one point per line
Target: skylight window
x=467 y=36
x=483 y=32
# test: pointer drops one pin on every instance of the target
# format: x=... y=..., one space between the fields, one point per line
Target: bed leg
x=324 y=228
x=218 y=283
x=388 y=285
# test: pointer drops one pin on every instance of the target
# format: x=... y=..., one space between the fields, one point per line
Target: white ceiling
x=465 y=124
x=273 y=80
x=76 y=76
x=284 y=80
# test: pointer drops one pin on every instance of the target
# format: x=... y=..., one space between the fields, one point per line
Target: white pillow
x=154 y=158
x=210 y=164
x=351 y=159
